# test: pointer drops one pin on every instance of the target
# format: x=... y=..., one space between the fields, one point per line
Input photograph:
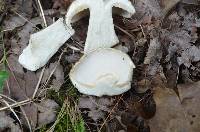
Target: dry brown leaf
x=181 y=44
x=21 y=86
x=193 y=2
x=190 y=97
x=167 y=5
x=47 y=112
x=8 y=124
x=61 y=3
x=170 y=116
x=97 y=106
x=58 y=75
x=148 y=7
x=174 y=114
x=13 y=21
x=153 y=56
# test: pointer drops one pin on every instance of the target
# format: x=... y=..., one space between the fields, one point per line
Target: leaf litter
x=162 y=40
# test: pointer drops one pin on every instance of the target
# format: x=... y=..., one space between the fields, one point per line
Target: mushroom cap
x=105 y=71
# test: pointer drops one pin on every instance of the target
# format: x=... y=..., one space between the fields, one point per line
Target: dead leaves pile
x=22 y=84
x=173 y=49
x=162 y=38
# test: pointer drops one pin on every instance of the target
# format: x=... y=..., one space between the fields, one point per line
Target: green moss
x=69 y=117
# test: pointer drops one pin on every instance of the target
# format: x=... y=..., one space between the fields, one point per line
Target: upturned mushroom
x=104 y=71
x=101 y=33
x=44 y=44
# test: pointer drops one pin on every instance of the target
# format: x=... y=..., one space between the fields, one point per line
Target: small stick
x=42 y=13
x=17 y=104
x=124 y=31
x=4 y=96
x=24 y=19
x=143 y=31
x=38 y=84
x=54 y=69
x=12 y=111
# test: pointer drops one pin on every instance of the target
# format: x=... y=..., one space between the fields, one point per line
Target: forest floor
x=163 y=40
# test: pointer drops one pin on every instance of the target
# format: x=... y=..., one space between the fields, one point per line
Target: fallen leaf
x=58 y=75
x=61 y=3
x=47 y=112
x=174 y=114
x=20 y=15
x=153 y=56
x=97 y=106
x=13 y=22
x=31 y=112
x=24 y=8
x=8 y=124
x=193 y=2
x=190 y=96
x=170 y=115
x=167 y=5
x=148 y=7
x=21 y=86
x=180 y=43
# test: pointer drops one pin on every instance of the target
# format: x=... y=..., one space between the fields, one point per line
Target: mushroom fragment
x=44 y=44
x=105 y=71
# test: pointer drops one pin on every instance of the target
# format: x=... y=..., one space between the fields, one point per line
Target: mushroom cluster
x=102 y=70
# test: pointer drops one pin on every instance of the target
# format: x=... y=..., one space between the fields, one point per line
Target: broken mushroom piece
x=103 y=72
x=101 y=33
x=44 y=44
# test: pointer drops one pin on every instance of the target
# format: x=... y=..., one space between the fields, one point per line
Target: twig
x=12 y=111
x=17 y=104
x=24 y=19
x=4 y=96
x=42 y=13
x=143 y=31
x=124 y=31
x=54 y=69
x=27 y=120
x=74 y=48
x=38 y=84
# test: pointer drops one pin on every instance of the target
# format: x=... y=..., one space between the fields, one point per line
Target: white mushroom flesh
x=44 y=44
x=103 y=72
x=101 y=33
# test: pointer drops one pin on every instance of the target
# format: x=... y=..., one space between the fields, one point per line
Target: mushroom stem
x=101 y=33
x=44 y=44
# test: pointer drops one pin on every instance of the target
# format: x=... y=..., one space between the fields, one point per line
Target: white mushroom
x=103 y=72
x=44 y=44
